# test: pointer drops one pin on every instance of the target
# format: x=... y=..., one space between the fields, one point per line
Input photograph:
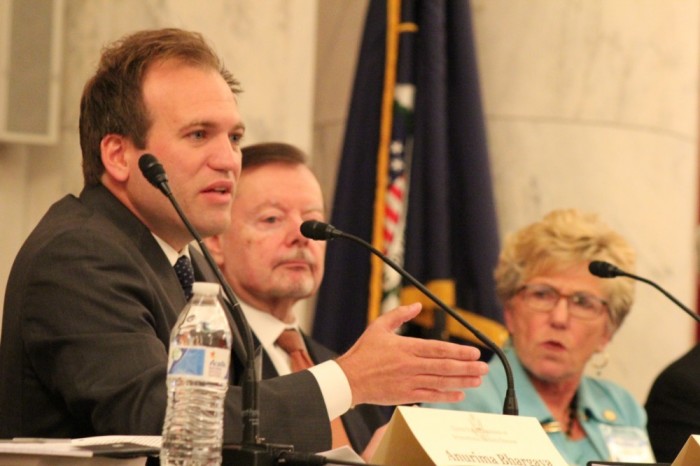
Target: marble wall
x=588 y=103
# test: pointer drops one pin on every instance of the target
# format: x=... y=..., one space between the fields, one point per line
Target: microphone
x=604 y=269
x=253 y=452
x=154 y=172
x=320 y=231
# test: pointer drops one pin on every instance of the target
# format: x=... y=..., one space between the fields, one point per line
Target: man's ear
x=215 y=245
x=113 y=149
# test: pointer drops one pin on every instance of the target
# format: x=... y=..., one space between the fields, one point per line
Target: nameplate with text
x=436 y=437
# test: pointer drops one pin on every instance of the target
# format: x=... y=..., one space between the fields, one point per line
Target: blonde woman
x=559 y=317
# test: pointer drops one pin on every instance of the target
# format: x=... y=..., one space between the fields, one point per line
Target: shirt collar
x=170 y=252
x=266 y=327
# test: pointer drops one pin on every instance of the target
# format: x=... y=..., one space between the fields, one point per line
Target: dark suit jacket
x=673 y=406
x=361 y=421
x=89 y=307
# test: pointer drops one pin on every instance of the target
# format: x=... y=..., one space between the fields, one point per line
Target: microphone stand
x=664 y=292
x=252 y=452
x=319 y=231
x=604 y=269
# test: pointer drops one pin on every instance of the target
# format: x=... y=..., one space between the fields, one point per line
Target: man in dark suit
x=271 y=266
x=92 y=295
x=673 y=406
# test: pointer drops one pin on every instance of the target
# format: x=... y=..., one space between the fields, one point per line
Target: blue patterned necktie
x=185 y=273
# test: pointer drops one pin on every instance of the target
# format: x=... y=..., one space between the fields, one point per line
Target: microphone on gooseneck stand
x=252 y=452
x=323 y=231
x=604 y=269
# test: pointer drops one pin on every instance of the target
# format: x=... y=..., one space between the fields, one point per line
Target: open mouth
x=221 y=189
x=554 y=345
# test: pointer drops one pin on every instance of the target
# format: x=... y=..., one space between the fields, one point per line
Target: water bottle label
x=200 y=362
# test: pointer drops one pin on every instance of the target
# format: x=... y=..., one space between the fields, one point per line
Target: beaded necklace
x=556 y=426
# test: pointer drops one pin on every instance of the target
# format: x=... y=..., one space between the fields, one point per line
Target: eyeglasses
x=544 y=298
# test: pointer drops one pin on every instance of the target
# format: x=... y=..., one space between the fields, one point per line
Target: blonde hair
x=564 y=238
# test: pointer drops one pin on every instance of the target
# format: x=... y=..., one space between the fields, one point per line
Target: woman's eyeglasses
x=544 y=298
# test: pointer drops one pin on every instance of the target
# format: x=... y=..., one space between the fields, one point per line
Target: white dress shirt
x=331 y=379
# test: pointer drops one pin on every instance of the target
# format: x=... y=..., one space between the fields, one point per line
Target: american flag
x=414 y=178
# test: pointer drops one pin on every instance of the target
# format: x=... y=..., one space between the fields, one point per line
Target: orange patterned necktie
x=290 y=340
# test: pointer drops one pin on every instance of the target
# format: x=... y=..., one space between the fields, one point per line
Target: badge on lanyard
x=626 y=443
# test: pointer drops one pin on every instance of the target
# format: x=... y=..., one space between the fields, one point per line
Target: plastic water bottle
x=198 y=366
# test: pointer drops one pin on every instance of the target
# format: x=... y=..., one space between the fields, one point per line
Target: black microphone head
x=604 y=269
x=313 y=229
x=153 y=171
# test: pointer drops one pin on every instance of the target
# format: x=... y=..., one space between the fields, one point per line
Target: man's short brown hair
x=112 y=100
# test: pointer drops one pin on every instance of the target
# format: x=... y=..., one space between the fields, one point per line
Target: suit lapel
x=105 y=204
x=268 y=369
x=317 y=352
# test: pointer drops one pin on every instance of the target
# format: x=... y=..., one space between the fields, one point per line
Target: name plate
x=436 y=437
x=690 y=453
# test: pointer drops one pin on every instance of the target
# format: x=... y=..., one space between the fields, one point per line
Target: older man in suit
x=271 y=266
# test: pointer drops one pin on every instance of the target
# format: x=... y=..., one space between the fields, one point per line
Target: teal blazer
x=603 y=407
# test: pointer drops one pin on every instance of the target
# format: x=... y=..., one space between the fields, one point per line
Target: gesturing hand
x=388 y=369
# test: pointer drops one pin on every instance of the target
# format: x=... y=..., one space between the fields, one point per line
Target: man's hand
x=388 y=369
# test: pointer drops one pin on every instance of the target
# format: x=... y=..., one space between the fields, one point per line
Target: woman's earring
x=600 y=362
